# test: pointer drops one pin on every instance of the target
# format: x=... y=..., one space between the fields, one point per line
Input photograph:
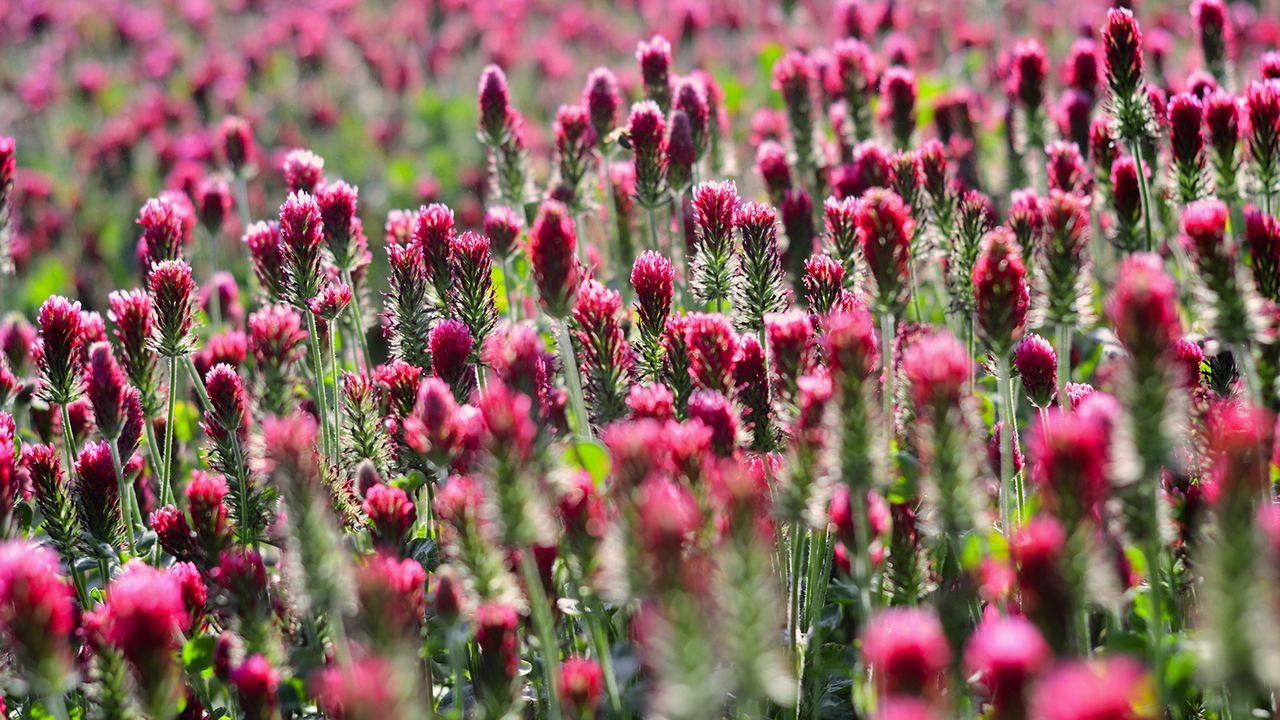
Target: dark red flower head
x=1000 y=290
x=1262 y=236
x=451 y=345
x=581 y=685
x=337 y=201
x=1029 y=69
x=391 y=515
x=1122 y=45
x=235 y=143
x=333 y=299
x=885 y=229
x=1143 y=307
x=938 y=367
x=1065 y=167
x=602 y=99
x=654 y=56
x=301 y=236
x=104 y=384
x=653 y=400
x=712 y=345
x=553 y=253
x=1205 y=224
x=433 y=232
x=713 y=410
x=1240 y=439
x=37 y=609
x=1186 y=121
x=163 y=233
x=906 y=650
x=1005 y=655
x=1222 y=123
x=58 y=349
x=502 y=226
x=1084 y=72
x=172 y=290
x=495 y=104
x=303 y=171
x=256 y=683
x=1037 y=365
x=228 y=407
x=653 y=277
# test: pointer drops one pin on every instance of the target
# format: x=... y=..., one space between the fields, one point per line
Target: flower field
x=684 y=360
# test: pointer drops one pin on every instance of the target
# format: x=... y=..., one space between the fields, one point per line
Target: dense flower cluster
x=757 y=360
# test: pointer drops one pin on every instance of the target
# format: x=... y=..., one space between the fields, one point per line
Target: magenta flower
x=885 y=229
x=1000 y=290
x=58 y=350
x=37 y=613
x=1037 y=365
x=1006 y=655
x=256 y=684
x=907 y=651
x=553 y=253
x=581 y=685
x=303 y=171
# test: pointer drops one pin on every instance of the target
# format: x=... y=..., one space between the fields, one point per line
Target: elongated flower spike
x=1037 y=364
x=752 y=391
x=714 y=207
x=1222 y=119
x=681 y=152
x=213 y=203
x=798 y=223
x=654 y=57
x=301 y=236
x=576 y=139
x=885 y=229
x=502 y=226
x=1074 y=115
x=132 y=315
x=794 y=77
x=263 y=242
x=1214 y=29
x=104 y=384
x=1006 y=655
x=59 y=350
x=337 y=202
x=236 y=144
x=495 y=105
x=1186 y=121
x=824 y=279
x=1262 y=108
x=1262 y=237
x=553 y=247
x=276 y=342
x=907 y=651
x=691 y=99
x=162 y=232
x=647 y=132
x=857 y=71
x=433 y=233
x=1065 y=168
x=602 y=349
x=712 y=346
x=898 y=103
x=1000 y=290
x=97 y=494
x=452 y=348
x=471 y=295
x=1026 y=218
x=1229 y=294
x=408 y=304
x=774 y=169
x=1122 y=50
x=1029 y=71
x=172 y=293
x=602 y=99
x=37 y=616
x=391 y=516
x=1126 y=202
x=333 y=299
x=1084 y=69
x=653 y=278
x=303 y=171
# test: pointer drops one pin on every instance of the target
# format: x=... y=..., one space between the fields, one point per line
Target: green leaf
x=589 y=455
x=197 y=653
x=49 y=276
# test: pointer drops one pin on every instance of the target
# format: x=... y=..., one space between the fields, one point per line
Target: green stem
x=545 y=628
x=174 y=389
x=574 y=380
x=456 y=663
x=653 y=229
x=887 y=392
x=153 y=451
x=126 y=497
x=1063 y=332
x=1136 y=150
x=198 y=383
x=357 y=321
x=317 y=367
x=1156 y=621
x=1006 y=447
x=793 y=603
x=337 y=399
x=69 y=439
